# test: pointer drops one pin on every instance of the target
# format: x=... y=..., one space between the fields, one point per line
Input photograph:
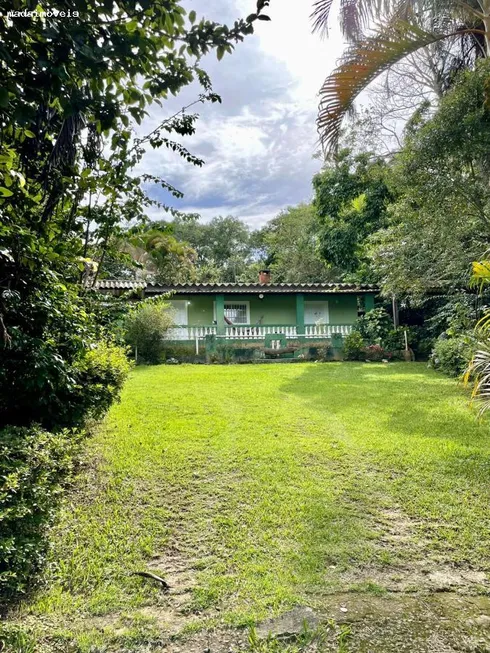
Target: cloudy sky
x=259 y=144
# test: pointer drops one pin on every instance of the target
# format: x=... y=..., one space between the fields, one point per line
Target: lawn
x=358 y=490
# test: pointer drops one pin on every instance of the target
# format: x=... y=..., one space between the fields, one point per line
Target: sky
x=259 y=145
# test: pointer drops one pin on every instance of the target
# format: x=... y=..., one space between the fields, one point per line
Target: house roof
x=119 y=284
x=241 y=288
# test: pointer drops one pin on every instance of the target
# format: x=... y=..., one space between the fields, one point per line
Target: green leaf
x=5 y=192
x=220 y=52
x=192 y=17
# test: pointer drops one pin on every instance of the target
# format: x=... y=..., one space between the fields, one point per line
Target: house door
x=316 y=312
x=179 y=307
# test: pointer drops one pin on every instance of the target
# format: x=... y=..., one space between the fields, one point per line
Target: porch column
x=220 y=314
x=300 y=315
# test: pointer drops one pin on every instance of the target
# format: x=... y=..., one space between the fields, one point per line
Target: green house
x=255 y=311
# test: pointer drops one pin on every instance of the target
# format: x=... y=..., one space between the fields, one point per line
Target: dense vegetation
x=71 y=91
x=73 y=210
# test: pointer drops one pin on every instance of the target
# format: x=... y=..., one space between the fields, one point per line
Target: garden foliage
x=452 y=355
x=34 y=465
x=71 y=93
x=145 y=327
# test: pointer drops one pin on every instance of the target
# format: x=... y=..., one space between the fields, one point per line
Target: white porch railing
x=257 y=332
x=326 y=330
x=190 y=332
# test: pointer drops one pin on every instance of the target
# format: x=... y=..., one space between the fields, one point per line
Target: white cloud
x=259 y=144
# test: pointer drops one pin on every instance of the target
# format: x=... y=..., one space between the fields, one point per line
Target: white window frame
x=318 y=301
x=234 y=303
x=186 y=305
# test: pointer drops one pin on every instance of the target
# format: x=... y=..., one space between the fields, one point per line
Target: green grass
x=271 y=483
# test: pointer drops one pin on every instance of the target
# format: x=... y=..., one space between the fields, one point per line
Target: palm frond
x=478 y=374
x=360 y=65
x=354 y=15
x=321 y=14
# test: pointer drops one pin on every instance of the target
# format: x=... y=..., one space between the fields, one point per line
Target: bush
x=353 y=347
x=100 y=376
x=376 y=353
x=145 y=327
x=33 y=464
x=375 y=326
x=452 y=355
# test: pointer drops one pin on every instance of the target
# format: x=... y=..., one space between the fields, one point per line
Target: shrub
x=452 y=355
x=145 y=327
x=394 y=340
x=100 y=376
x=321 y=353
x=33 y=464
x=376 y=353
x=353 y=347
x=375 y=326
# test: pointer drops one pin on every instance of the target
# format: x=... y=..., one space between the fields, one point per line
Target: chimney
x=264 y=276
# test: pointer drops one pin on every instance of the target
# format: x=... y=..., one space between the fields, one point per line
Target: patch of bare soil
x=417 y=567
x=441 y=623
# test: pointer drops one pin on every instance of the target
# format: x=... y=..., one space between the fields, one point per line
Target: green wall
x=273 y=309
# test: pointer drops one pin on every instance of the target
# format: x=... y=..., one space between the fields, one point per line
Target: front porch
x=255 y=317
x=258 y=332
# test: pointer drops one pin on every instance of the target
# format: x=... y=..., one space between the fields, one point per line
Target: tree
x=160 y=257
x=71 y=89
x=222 y=246
x=439 y=223
x=290 y=247
x=403 y=29
x=351 y=197
x=145 y=327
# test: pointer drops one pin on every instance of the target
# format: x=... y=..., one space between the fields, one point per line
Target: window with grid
x=236 y=313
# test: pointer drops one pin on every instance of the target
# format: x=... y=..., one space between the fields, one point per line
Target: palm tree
x=396 y=29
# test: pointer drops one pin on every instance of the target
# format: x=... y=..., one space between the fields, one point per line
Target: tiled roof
x=241 y=288
x=119 y=284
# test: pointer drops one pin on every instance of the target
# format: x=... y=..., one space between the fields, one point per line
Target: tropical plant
x=160 y=257
x=453 y=355
x=438 y=221
x=353 y=347
x=375 y=326
x=478 y=371
x=145 y=327
x=397 y=30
